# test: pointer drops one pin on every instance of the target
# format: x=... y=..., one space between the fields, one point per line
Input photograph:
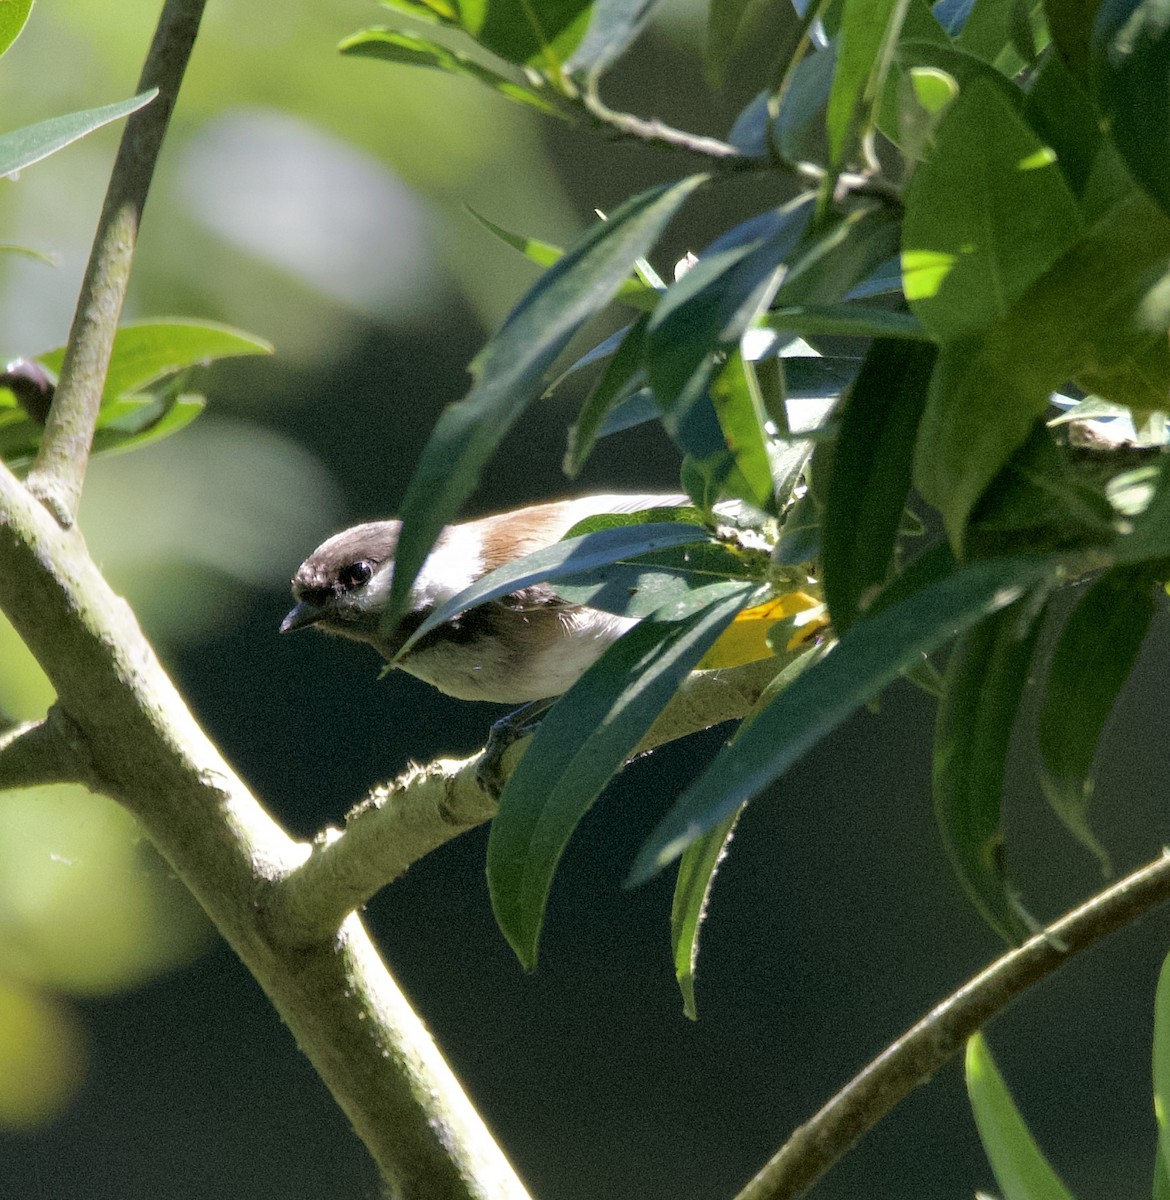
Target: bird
x=526 y=647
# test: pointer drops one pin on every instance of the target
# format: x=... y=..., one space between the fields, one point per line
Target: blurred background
x=319 y=202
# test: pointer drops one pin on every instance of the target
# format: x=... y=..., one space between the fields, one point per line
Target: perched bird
x=527 y=646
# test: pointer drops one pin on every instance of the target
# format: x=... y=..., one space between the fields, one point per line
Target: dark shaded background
x=834 y=924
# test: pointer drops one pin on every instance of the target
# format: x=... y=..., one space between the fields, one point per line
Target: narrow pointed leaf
x=847 y=320
x=544 y=254
x=873 y=462
x=1019 y=1166
x=984 y=681
x=568 y=557
x=872 y=654
x=23 y=147
x=510 y=369
x=692 y=890
x=581 y=743
x=613 y=26
x=1093 y=658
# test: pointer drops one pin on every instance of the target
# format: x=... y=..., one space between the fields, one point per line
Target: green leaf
x=1020 y=1168
x=998 y=32
x=985 y=217
x=846 y=320
x=1161 y=1062
x=984 y=681
x=544 y=254
x=13 y=14
x=870 y=478
x=147 y=351
x=23 y=147
x=739 y=409
x=410 y=50
x=667 y=584
x=869 y=32
x=871 y=654
x=572 y=556
x=585 y=738
x=692 y=890
x=1094 y=317
x=1161 y=1177
x=1129 y=61
x=510 y=369
x=542 y=35
x=622 y=376
x=1060 y=111
x=613 y=25
x=1093 y=658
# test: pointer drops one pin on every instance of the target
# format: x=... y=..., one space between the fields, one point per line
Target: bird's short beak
x=301 y=617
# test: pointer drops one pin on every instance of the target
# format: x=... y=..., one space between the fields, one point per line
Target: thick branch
x=59 y=470
x=915 y=1057
x=400 y=822
x=145 y=749
x=40 y=752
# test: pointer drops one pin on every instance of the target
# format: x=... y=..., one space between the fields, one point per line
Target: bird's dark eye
x=355 y=574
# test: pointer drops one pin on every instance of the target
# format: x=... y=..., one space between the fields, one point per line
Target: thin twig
x=400 y=822
x=57 y=475
x=658 y=133
x=915 y=1057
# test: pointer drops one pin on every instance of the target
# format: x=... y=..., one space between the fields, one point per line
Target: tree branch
x=918 y=1054
x=657 y=133
x=56 y=476
x=145 y=749
x=400 y=822
x=40 y=752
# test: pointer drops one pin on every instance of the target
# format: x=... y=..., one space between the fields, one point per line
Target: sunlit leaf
x=1020 y=1168
x=870 y=655
x=510 y=369
x=584 y=739
x=544 y=254
x=23 y=147
x=13 y=14
x=1161 y=1061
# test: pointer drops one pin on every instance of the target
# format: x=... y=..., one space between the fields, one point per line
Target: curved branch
x=146 y=750
x=915 y=1057
x=400 y=822
x=59 y=470
x=40 y=752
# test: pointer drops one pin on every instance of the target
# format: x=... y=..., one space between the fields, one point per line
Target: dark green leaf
x=1094 y=656
x=13 y=14
x=147 y=351
x=613 y=25
x=846 y=320
x=410 y=50
x=984 y=681
x=999 y=32
x=692 y=890
x=620 y=378
x=1060 y=111
x=872 y=654
x=23 y=147
x=569 y=557
x=584 y=739
x=724 y=19
x=870 y=478
x=510 y=369
x=1129 y=61
x=1019 y=1166
x=985 y=217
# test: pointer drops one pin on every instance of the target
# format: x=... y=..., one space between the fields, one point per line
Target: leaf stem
x=57 y=475
x=658 y=133
x=914 y=1058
